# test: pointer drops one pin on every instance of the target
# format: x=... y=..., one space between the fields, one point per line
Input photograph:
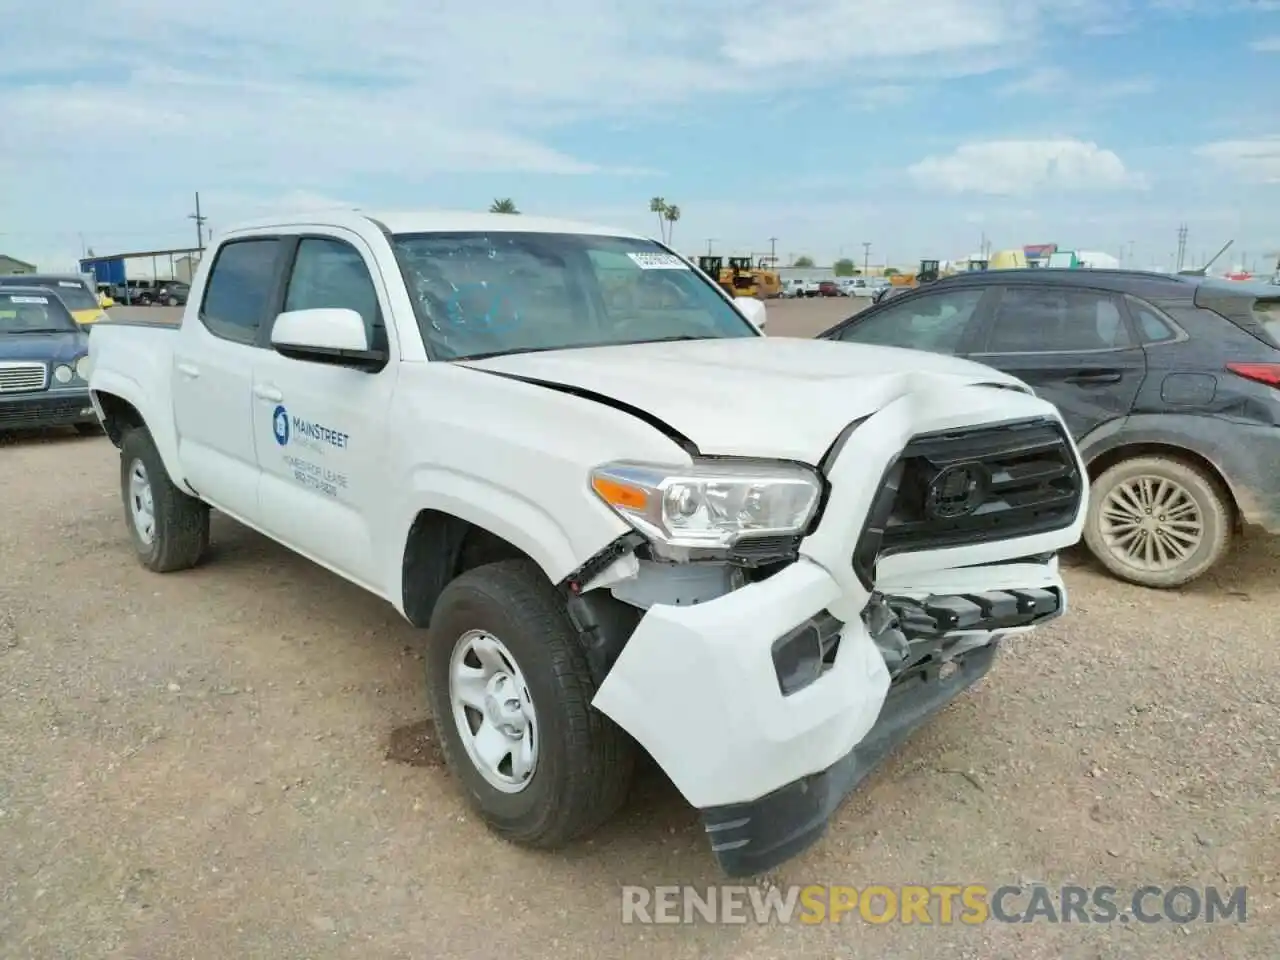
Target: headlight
x=83 y=366
x=63 y=374
x=710 y=504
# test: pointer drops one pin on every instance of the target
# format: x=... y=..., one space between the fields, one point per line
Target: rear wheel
x=1158 y=522
x=170 y=529
x=511 y=693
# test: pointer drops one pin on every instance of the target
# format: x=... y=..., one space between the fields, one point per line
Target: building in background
x=1097 y=260
x=12 y=265
x=1038 y=254
x=184 y=268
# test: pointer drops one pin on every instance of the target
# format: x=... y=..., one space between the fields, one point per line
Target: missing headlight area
x=678 y=584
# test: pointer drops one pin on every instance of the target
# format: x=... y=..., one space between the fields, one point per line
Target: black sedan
x=44 y=363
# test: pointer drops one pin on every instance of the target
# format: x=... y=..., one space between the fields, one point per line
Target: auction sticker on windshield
x=658 y=261
x=44 y=300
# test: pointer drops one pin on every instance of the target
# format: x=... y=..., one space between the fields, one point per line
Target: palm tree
x=671 y=215
x=659 y=206
x=505 y=205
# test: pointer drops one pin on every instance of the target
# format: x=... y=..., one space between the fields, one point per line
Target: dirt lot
x=213 y=765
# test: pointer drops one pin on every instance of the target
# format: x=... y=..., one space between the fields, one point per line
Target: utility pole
x=710 y=241
x=773 y=252
x=866 y=257
x=1131 y=257
x=199 y=219
x=1182 y=248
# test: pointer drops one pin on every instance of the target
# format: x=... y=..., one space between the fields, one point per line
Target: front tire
x=170 y=529
x=510 y=691
x=1158 y=522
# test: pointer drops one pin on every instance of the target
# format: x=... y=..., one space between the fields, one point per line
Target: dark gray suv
x=1170 y=385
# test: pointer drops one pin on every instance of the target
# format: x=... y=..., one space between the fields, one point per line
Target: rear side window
x=241 y=284
x=1151 y=326
x=1048 y=320
x=1266 y=310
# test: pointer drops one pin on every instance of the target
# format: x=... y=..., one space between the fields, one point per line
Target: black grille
x=15 y=415
x=1025 y=481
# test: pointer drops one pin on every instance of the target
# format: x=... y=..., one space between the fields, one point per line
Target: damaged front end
x=768 y=678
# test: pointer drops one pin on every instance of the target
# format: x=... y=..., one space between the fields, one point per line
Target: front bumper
x=700 y=686
x=750 y=838
x=51 y=408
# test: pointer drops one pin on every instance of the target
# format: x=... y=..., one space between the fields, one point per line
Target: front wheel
x=511 y=692
x=1158 y=522
x=170 y=529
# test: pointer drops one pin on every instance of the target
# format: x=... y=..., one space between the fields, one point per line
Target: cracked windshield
x=491 y=294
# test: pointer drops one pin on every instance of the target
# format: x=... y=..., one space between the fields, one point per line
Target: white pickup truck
x=628 y=519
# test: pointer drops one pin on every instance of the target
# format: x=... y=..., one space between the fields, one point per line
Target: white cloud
x=1266 y=44
x=1012 y=167
x=1061 y=83
x=308 y=92
x=1255 y=160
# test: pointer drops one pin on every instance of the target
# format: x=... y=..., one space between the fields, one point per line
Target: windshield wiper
x=40 y=330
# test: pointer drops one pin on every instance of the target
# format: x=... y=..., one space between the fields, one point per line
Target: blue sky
x=917 y=127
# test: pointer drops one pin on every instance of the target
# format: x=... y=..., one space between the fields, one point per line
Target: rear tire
x=170 y=529
x=1177 y=508
x=581 y=762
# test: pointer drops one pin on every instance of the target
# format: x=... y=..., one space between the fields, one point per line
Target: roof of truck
x=430 y=221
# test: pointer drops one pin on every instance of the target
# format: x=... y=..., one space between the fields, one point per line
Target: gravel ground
x=233 y=762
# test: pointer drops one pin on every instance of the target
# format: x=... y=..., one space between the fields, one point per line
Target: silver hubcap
x=493 y=711
x=141 y=506
x=1151 y=523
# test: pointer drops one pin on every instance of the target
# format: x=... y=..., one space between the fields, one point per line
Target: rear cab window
x=241 y=287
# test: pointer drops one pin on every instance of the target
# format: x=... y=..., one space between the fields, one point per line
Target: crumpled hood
x=759 y=396
x=49 y=347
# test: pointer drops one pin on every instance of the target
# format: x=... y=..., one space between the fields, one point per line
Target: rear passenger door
x=213 y=373
x=1072 y=345
x=320 y=430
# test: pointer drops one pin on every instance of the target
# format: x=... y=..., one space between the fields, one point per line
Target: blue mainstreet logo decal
x=280 y=425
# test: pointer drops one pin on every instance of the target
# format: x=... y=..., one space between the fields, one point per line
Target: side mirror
x=329 y=335
x=752 y=309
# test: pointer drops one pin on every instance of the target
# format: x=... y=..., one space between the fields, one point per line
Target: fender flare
x=504 y=513
x=162 y=428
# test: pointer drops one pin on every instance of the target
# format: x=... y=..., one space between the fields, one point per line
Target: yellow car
x=73 y=290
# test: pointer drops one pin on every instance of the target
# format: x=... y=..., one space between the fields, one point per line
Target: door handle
x=1096 y=377
x=270 y=394
x=188 y=370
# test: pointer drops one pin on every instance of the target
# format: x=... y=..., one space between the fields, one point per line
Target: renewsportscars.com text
x=939 y=904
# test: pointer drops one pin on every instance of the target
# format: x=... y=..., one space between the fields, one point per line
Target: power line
x=199 y=219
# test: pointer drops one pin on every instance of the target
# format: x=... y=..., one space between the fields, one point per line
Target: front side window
x=486 y=294
x=238 y=294
x=936 y=322
x=1048 y=320
x=331 y=273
